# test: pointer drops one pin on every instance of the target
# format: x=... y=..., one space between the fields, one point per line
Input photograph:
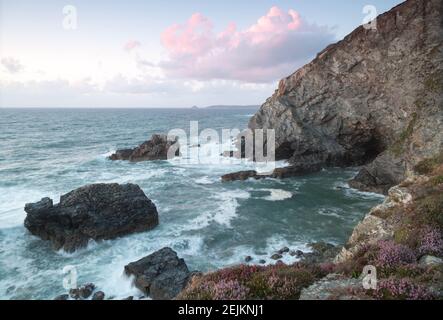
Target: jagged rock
x=130 y=298
x=283 y=250
x=248 y=259
x=332 y=287
x=161 y=275
x=400 y=195
x=276 y=256
x=62 y=297
x=155 y=149
x=373 y=98
x=82 y=292
x=99 y=211
x=241 y=176
x=430 y=261
x=279 y=173
x=99 y=295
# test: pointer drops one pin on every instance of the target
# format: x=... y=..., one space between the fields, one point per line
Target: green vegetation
x=278 y=282
x=427 y=166
x=434 y=83
x=398 y=147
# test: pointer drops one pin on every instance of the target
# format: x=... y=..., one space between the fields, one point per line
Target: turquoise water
x=210 y=224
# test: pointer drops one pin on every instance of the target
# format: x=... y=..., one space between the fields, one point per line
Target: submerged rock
x=276 y=256
x=161 y=275
x=99 y=295
x=82 y=292
x=98 y=212
x=284 y=250
x=155 y=149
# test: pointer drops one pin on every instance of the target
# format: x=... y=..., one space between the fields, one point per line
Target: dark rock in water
x=129 y=298
x=155 y=149
x=161 y=275
x=98 y=212
x=284 y=250
x=248 y=259
x=299 y=253
x=278 y=173
x=99 y=295
x=241 y=176
x=82 y=292
x=62 y=297
x=262 y=262
x=276 y=256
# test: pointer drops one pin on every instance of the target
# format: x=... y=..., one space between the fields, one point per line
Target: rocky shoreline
x=388 y=119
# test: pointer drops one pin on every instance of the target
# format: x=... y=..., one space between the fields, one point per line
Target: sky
x=144 y=54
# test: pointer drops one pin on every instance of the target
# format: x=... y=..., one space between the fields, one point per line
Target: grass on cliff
x=418 y=231
x=398 y=147
x=277 y=282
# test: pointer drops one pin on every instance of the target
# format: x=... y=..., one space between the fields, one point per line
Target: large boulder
x=161 y=275
x=155 y=149
x=98 y=212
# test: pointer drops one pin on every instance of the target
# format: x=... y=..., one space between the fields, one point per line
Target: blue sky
x=162 y=54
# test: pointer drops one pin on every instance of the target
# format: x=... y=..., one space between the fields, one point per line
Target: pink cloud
x=271 y=48
x=131 y=45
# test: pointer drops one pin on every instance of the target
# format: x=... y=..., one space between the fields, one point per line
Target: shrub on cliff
x=392 y=255
x=401 y=289
x=278 y=282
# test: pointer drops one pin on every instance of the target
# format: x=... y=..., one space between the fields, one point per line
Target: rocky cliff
x=373 y=99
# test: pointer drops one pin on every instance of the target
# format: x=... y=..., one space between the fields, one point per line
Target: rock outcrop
x=374 y=99
x=279 y=173
x=98 y=212
x=161 y=275
x=155 y=149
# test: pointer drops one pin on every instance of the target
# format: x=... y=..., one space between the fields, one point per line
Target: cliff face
x=374 y=99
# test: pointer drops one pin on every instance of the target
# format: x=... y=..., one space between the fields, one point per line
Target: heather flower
x=401 y=289
x=229 y=290
x=391 y=255
x=431 y=242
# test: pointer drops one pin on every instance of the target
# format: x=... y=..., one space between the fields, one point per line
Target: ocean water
x=210 y=224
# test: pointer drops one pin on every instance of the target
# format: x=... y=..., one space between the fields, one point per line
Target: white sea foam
x=278 y=195
x=330 y=212
x=350 y=192
x=204 y=180
x=225 y=212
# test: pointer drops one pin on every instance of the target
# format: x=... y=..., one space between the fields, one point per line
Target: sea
x=49 y=152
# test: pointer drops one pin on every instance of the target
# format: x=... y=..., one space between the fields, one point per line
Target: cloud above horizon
x=12 y=65
x=266 y=51
x=131 y=45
